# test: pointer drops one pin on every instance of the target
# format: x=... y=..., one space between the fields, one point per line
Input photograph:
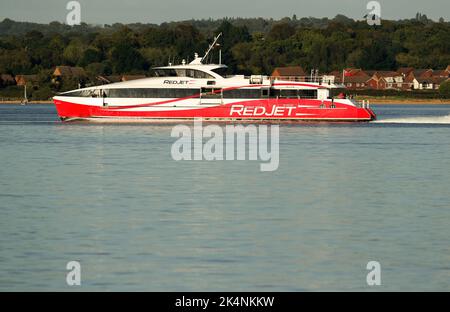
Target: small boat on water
x=200 y=90
x=25 y=97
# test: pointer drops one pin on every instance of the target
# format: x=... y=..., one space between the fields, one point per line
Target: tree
x=74 y=51
x=250 y=46
x=444 y=89
x=16 y=61
x=232 y=35
x=95 y=69
x=157 y=56
x=91 y=56
x=281 y=31
x=187 y=39
x=43 y=93
x=127 y=59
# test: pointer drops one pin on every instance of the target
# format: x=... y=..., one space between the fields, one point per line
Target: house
x=22 y=80
x=377 y=82
x=422 y=73
x=441 y=73
x=69 y=72
x=295 y=73
x=422 y=84
x=432 y=83
x=383 y=80
x=7 y=80
x=350 y=77
x=355 y=78
x=62 y=73
x=328 y=79
x=418 y=76
x=337 y=76
x=405 y=71
x=437 y=81
x=356 y=82
x=394 y=80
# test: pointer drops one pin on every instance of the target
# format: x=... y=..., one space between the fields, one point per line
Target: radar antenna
x=211 y=47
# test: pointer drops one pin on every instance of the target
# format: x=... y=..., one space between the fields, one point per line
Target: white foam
x=417 y=120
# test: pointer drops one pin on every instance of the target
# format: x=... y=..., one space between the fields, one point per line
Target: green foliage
x=90 y=56
x=15 y=61
x=11 y=93
x=249 y=46
x=281 y=31
x=95 y=69
x=68 y=84
x=444 y=89
x=73 y=52
x=42 y=94
x=157 y=56
x=231 y=36
x=125 y=58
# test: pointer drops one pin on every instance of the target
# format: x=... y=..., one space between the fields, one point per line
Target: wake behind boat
x=199 y=90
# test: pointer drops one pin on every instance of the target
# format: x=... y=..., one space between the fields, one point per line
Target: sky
x=158 y=11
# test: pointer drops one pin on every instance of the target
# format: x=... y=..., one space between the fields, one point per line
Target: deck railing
x=362 y=104
x=316 y=79
x=312 y=79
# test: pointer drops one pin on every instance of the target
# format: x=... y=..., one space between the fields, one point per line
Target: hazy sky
x=157 y=11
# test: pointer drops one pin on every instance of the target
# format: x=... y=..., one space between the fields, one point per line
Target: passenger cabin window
x=166 y=73
x=289 y=94
x=96 y=93
x=211 y=93
x=152 y=93
x=253 y=93
x=220 y=71
x=293 y=94
x=191 y=73
x=83 y=93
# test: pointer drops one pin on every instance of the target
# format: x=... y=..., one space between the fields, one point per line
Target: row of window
x=191 y=73
x=136 y=93
x=259 y=93
x=186 y=92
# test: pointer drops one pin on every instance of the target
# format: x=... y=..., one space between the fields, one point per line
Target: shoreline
x=372 y=101
x=403 y=101
x=18 y=102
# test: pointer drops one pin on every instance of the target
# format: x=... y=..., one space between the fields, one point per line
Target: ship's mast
x=211 y=47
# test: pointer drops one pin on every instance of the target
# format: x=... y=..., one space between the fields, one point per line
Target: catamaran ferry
x=201 y=90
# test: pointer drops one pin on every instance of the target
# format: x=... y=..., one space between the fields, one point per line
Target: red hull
x=273 y=109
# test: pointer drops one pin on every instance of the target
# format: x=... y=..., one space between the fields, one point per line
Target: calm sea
x=111 y=197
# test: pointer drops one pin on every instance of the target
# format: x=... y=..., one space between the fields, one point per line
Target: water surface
x=111 y=197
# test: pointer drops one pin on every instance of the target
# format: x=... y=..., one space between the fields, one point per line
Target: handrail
x=297 y=78
x=312 y=79
x=362 y=104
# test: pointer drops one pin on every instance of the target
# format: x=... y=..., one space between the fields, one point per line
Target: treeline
x=250 y=46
